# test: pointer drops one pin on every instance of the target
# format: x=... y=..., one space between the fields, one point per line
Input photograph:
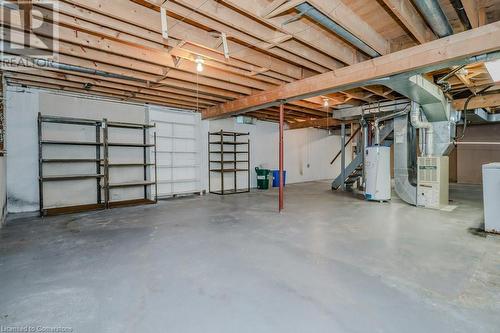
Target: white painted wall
x=308 y=152
x=22 y=106
x=3 y=189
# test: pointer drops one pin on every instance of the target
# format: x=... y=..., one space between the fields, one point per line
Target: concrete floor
x=329 y=263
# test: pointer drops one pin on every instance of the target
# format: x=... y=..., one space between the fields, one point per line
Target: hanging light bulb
x=326 y=103
x=199 y=64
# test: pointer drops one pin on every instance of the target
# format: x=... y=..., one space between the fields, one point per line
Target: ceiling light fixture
x=493 y=68
x=326 y=102
x=199 y=64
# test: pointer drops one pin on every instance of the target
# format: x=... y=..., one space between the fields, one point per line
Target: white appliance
x=433 y=181
x=491 y=195
x=378 y=173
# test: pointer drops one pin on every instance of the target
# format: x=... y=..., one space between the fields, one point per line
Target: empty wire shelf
x=76 y=143
x=131 y=184
x=71 y=177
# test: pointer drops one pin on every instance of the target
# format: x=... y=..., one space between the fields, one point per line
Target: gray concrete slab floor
x=329 y=263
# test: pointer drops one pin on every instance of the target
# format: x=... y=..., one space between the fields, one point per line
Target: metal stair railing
x=350 y=170
x=348 y=141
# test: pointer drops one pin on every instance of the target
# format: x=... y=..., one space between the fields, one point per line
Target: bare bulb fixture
x=199 y=64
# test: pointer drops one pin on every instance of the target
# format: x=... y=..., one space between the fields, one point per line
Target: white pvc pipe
x=429 y=130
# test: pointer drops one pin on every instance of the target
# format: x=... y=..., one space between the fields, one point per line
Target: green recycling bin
x=262 y=178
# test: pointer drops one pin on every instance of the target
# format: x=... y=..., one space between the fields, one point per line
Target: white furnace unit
x=433 y=181
x=378 y=173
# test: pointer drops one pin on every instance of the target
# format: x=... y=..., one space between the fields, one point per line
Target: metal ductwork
x=435 y=17
x=489 y=117
x=373 y=108
x=433 y=115
x=306 y=9
x=384 y=118
x=428 y=129
x=418 y=89
x=404 y=148
x=436 y=110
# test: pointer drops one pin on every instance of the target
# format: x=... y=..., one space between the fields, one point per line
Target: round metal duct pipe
x=434 y=15
x=314 y=14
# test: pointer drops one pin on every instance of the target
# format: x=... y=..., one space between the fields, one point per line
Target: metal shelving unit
x=99 y=172
x=233 y=165
x=100 y=160
x=144 y=163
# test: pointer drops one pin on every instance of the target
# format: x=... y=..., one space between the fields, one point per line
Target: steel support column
x=342 y=158
x=281 y=152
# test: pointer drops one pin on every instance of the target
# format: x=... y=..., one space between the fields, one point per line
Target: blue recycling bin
x=276 y=178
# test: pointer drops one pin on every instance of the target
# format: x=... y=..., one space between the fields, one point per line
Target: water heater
x=433 y=181
x=378 y=173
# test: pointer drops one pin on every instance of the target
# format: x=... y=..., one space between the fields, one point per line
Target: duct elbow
x=427 y=126
x=415 y=118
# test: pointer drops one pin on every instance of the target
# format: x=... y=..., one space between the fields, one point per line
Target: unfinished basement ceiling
x=269 y=44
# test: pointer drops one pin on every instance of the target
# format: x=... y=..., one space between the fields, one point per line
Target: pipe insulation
x=434 y=16
x=84 y=70
x=417 y=122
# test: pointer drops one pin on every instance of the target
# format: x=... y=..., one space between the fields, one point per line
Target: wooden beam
x=485 y=101
x=472 y=11
x=322 y=122
x=482 y=15
x=100 y=92
x=128 y=87
x=244 y=28
x=94 y=49
x=347 y=18
x=137 y=20
x=436 y=53
x=305 y=31
x=272 y=7
x=282 y=7
x=104 y=88
x=411 y=19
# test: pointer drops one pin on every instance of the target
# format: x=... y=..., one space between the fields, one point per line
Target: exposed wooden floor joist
x=439 y=52
x=269 y=47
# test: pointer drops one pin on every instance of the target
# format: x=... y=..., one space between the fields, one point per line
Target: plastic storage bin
x=276 y=178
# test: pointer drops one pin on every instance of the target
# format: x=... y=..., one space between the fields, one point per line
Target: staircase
x=354 y=170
